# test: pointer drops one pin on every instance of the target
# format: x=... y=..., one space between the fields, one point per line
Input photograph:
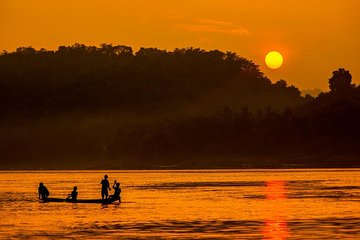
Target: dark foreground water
x=218 y=204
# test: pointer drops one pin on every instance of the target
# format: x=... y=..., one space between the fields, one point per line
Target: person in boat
x=117 y=191
x=105 y=186
x=73 y=195
x=43 y=191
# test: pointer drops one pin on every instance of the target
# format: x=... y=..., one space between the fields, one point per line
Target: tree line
x=110 y=107
x=88 y=78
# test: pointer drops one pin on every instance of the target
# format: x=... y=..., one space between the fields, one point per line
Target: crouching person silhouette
x=43 y=192
x=117 y=191
x=73 y=195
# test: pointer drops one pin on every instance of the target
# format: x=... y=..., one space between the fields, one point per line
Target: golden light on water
x=276 y=226
x=275 y=190
x=186 y=204
x=274 y=60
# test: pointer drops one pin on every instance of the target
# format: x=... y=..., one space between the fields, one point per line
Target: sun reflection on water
x=275 y=226
x=275 y=190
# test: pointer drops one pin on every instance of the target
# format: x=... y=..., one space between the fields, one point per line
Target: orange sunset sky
x=315 y=37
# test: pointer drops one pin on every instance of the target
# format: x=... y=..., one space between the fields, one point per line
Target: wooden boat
x=105 y=201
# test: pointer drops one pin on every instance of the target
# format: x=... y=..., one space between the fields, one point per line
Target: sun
x=274 y=60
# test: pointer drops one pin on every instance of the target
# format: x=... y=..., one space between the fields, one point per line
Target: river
x=186 y=204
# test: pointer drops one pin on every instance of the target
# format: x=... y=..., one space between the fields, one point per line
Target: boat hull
x=105 y=201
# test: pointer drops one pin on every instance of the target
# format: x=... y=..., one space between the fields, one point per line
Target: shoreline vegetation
x=106 y=107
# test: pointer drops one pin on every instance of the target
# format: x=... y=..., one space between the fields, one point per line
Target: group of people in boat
x=105 y=188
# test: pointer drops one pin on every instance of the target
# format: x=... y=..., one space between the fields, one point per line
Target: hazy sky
x=315 y=37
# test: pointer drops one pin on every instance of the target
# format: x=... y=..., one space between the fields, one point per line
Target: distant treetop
x=340 y=81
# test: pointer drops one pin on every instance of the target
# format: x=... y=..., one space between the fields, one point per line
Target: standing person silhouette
x=105 y=186
x=43 y=191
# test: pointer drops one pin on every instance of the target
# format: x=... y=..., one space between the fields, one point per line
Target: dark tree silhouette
x=340 y=80
x=110 y=107
x=89 y=78
x=281 y=83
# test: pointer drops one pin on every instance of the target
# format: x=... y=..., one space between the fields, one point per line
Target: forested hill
x=85 y=107
x=92 y=79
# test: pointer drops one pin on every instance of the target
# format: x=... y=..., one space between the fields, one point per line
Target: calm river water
x=203 y=204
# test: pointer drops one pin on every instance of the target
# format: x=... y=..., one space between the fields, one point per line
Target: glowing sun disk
x=274 y=60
